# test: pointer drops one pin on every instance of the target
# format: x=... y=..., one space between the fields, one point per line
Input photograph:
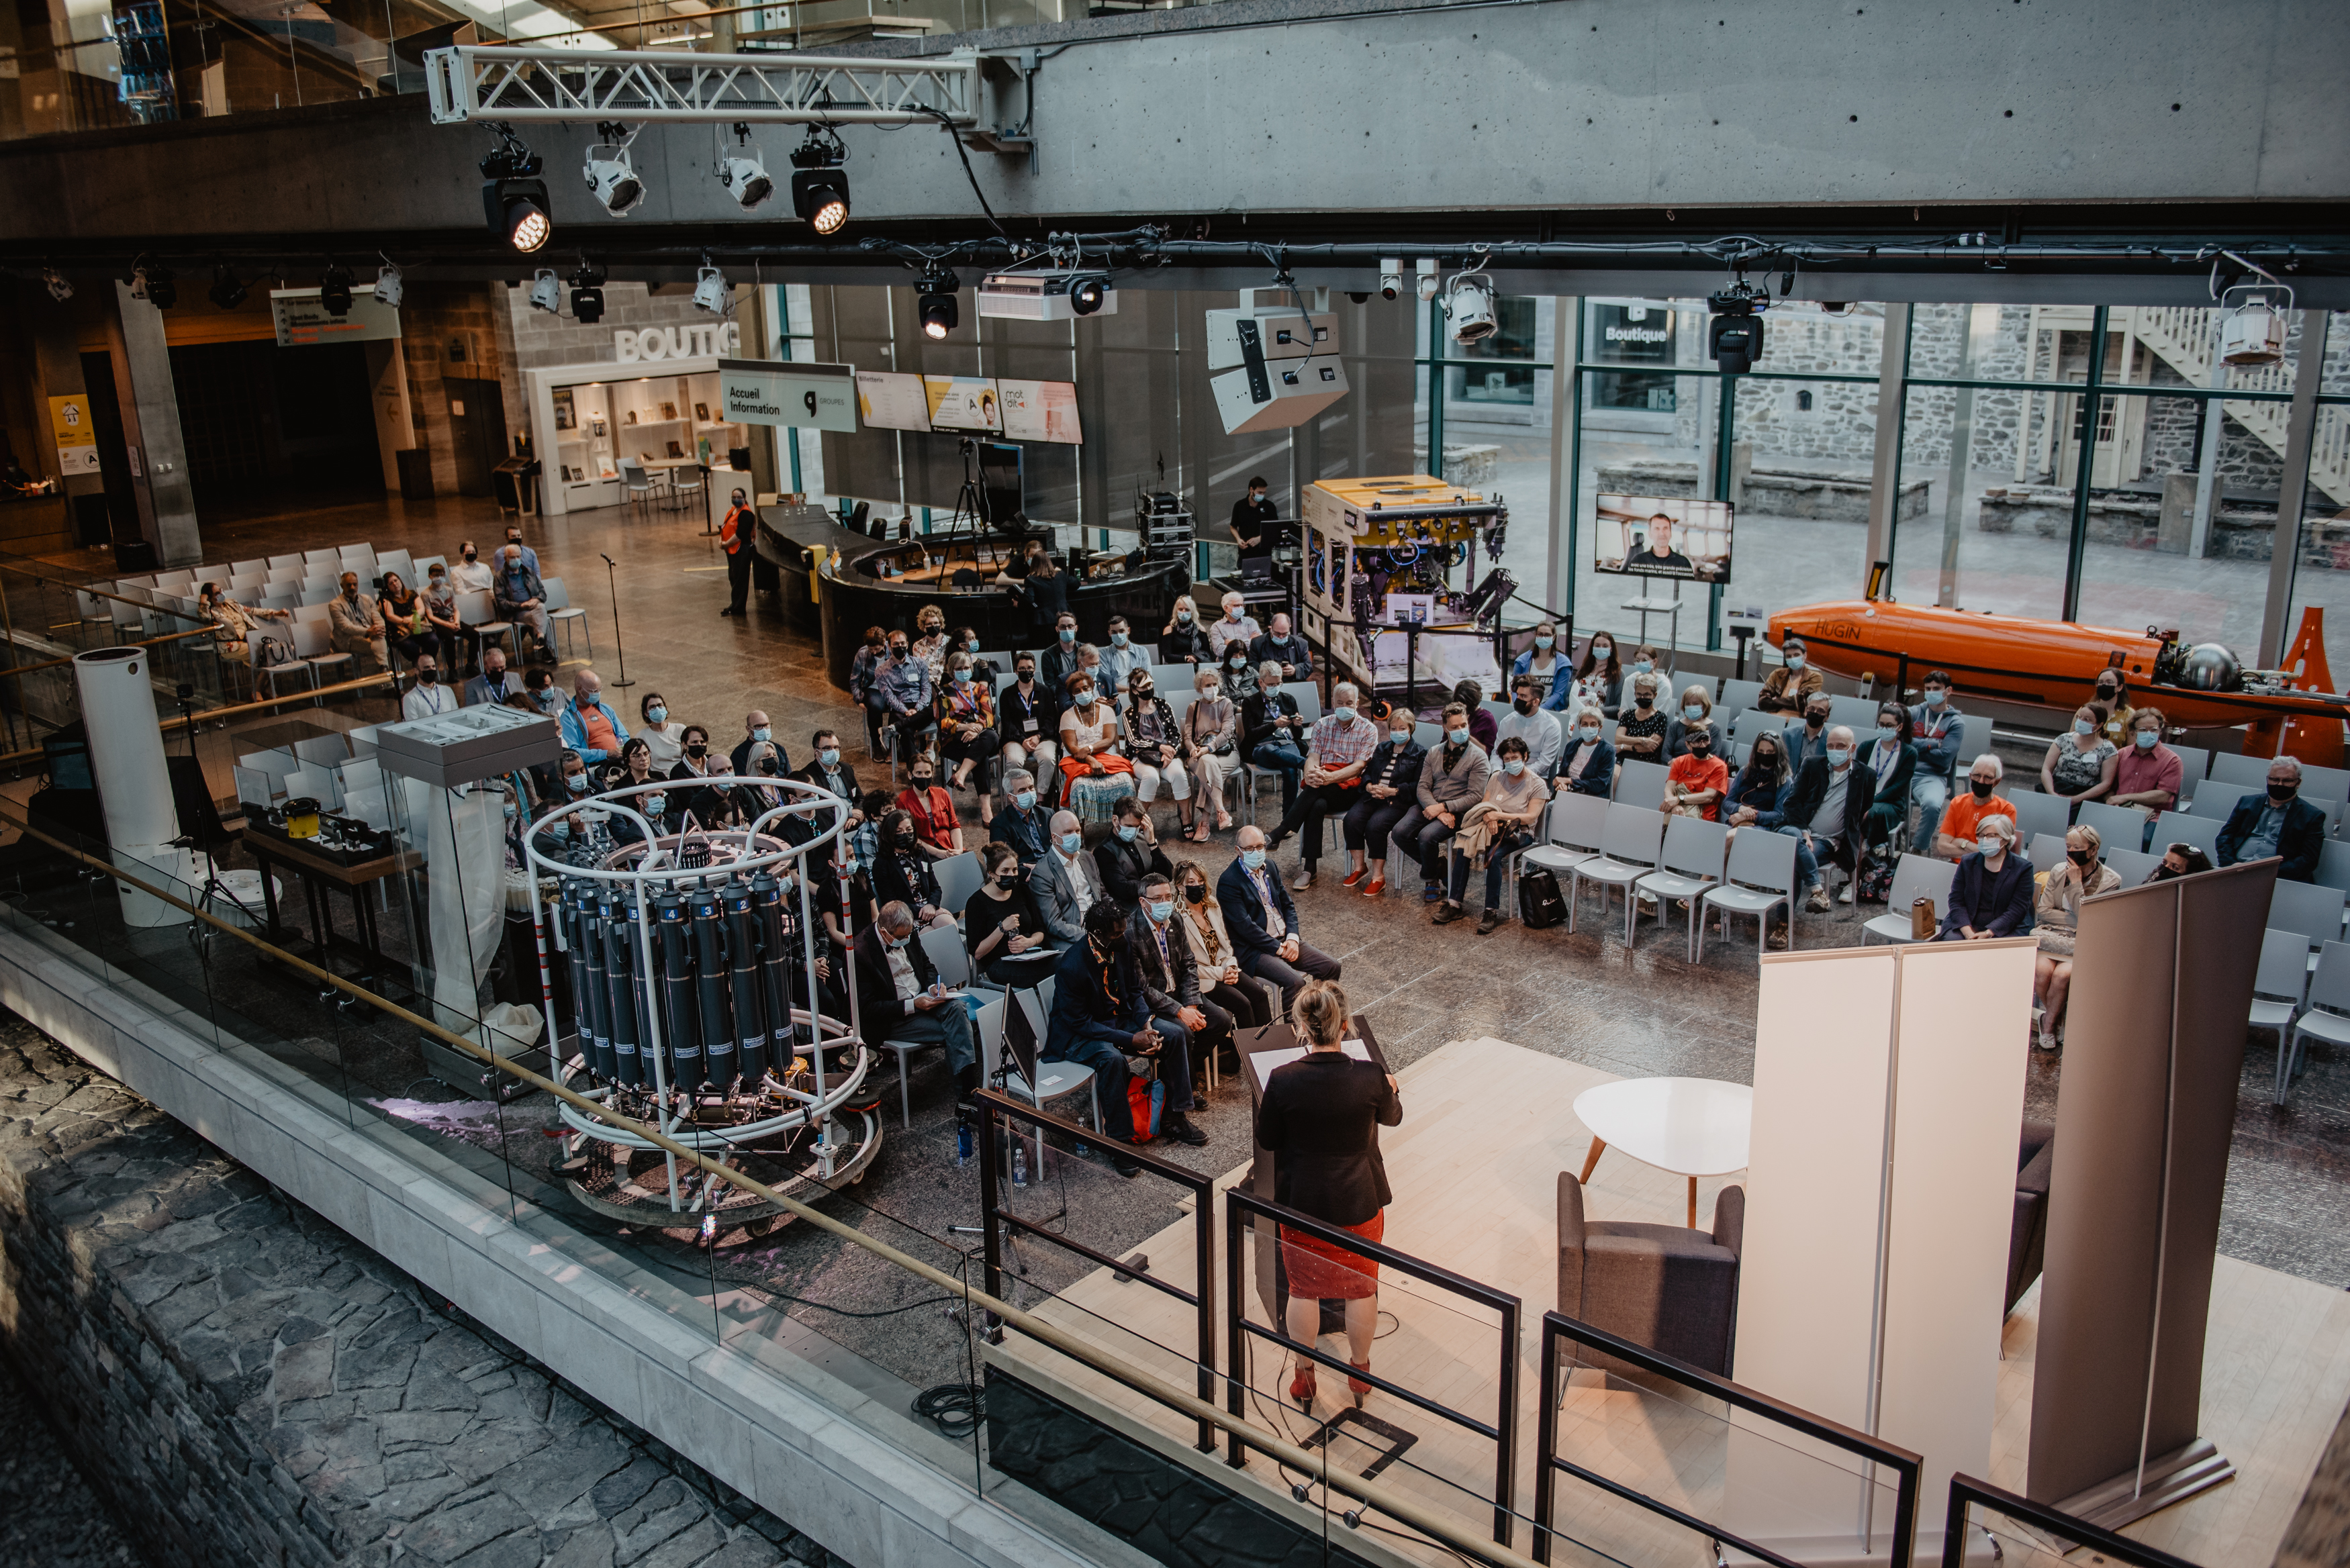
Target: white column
x=125 y=756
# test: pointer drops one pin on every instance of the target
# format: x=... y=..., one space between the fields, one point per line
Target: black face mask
x=2106 y=694
x=473 y=555
x=1982 y=788
x=1700 y=748
x=1027 y=678
x=2078 y=857
x=905 y=835
x=897 y=650
x=697 y=750
x=1815 y=721
x=1766 y=759
x=924 y=780
x=1523 y=704
x=1644 y=701
x=1195 y=893
x=429 y=676
x=767 y=766
x=2281 y=792
x=1008 y=879
x=2164 y=874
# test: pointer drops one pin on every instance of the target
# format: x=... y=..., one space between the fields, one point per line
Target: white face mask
x=1990 y=843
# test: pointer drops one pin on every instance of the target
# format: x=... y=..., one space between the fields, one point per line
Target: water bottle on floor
x=1019 y=1165
x=962 y=1138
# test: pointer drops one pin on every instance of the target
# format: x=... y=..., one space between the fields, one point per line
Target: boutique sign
x=633 y=346
x=789 y=392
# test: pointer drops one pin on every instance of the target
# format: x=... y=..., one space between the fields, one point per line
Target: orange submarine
x=2053 y=664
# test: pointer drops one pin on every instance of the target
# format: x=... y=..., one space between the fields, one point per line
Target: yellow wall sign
x=76 y=436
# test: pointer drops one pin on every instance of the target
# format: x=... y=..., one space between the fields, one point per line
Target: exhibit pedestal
x=2172 y=1478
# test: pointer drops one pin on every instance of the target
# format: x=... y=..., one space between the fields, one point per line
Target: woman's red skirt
x=1322 y=1271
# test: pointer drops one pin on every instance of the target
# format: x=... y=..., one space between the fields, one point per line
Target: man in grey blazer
x=1066 y=882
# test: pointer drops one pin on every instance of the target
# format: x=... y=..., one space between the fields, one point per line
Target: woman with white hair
x=2084 y=874
x=1991 y=894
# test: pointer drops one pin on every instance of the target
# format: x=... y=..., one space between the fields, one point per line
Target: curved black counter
x=854 y=596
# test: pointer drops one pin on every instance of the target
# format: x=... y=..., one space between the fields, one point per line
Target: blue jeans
x=1807 y=859
x=1930 y=793
x=1107 y=1059
x=1285 y=759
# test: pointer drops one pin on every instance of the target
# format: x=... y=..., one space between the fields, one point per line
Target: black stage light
x=819 y=190
x=1734 y=337
x=513 y=198
x=588 y=293
x=226 y=291
x=335 y=290
x=162 y=289
x=1086 y=294
x=938 y=305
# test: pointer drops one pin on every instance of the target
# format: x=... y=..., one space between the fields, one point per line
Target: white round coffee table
x=1689 y=1127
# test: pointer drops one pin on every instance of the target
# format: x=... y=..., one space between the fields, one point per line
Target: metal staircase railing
x=2181 y=334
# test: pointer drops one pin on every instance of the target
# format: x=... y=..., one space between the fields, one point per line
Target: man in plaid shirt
x=1337 y=750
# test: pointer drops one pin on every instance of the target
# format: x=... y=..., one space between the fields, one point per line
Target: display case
x=589 y=422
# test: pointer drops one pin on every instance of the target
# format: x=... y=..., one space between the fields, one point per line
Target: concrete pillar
x=395 y=427
x=1885 y=479
x=151 y=428
x=2309 y=368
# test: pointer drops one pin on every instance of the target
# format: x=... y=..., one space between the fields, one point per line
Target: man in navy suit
x=1263 y=920
x=1990 y=895
x=2280 y=823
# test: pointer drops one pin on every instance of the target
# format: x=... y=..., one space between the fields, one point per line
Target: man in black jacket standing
x=1828 y=815
x=898 y=995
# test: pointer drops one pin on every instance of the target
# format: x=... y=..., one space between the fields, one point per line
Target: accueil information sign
x=789 y=392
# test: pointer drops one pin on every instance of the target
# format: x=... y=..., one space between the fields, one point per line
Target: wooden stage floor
x=1487 y=1128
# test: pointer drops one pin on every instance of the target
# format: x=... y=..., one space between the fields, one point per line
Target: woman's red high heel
x=1301 y=1385
x=1356 y=1385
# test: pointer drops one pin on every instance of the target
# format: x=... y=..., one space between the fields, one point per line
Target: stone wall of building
x=455 y=331
x=243 y=1382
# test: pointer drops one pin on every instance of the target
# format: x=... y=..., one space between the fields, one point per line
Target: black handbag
x=1540 y=906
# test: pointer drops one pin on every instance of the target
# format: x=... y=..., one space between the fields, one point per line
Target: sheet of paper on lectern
x=1266 y=1061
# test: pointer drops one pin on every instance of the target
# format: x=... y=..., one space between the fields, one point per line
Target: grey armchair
x=1673 y=1290
x=2028 y=1241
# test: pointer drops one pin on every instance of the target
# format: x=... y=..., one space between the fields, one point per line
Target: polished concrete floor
x=1584 y=996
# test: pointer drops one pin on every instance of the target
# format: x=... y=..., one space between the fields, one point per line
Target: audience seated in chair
x=2279 y=823
x=2057 y=908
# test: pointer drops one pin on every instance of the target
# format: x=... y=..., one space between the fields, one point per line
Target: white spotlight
x=547 y=291
x=59 y=289
x=1469 y=305
x=710 y=290
x=744 y=171
x=612 y=177
x=1390 y=276
x=2252 y=333
x=387 y=286
x=1427 y=267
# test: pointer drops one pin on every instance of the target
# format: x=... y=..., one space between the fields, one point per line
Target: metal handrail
x=1558 y=1327
x=1966 y=1488
x=1200 y=1298
x=1239 y=1204
x=1315 y=1465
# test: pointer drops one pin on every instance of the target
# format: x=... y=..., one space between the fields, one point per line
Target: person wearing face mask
x=1222 y=981
x=1238 y=674
x=902 y=874
x=1183 y=639
x=1991 y=893
x=841 y=889
x=1046 y=590
x=1785 y=688
x=538 y=681
x=2112 y=694
x=1028 y=721
x=965 y=711
x=1339 y=748
x=1095 y=773
x=1103 y=1014
x=1808 y=736
x=1272 y=732
x=1066 y=882
x=2149 y=773
x=471 y=575
x=555 y=835
x=902 y=690
x=1497 y=826
x=1280 y=646
x=1001 y=926
x=428 y=696
x=1826 y=813
x=864 y=667
x=406 y=631
x=930 y=645
x=355 y=626
x=1587 y=764
x=1939 y=731
x=1451 y=780
x=1020 y=823
x=1693 y=706
x=589 y=724
x=1161 y=955
x=2057 y=908
x=1252 y=513
x=1235 y=626
x=437 y=603
x=901 y=997
x=1600 y=679
x=2081 y=763
x=694 y=764
x=738 y=536
x=1640 y=735
x=1954 y=838
x=636 y=768
x=1061 y=657
x=1122 y=658
x=1154 y=745
x=1211 y=740
x=965 y=639
x=1529 y=722
x=1390 y=791
x=1554 y=673
x=750 y=802
x=1697 y=781
x=1755 y=793
x=830 y=771
x=1484 y=728
x=664 y=734
x=938 y=830
x=493 y=685
x=2279 y=823
x=1129 y=852
x=521 y=600
x=2178 y=860
x=1263 y=918
x=1893 y=761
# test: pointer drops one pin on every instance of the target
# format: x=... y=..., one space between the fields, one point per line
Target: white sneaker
x=1304 y=880
x=1845 y=897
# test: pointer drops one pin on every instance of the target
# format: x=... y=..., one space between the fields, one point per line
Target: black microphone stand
x=612 y=580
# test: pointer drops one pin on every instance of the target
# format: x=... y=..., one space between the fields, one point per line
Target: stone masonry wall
x=244 y=1384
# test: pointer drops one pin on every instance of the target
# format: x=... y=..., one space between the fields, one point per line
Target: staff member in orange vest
x=740 y=535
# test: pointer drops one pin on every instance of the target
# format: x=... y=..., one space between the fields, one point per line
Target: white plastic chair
x=2036 y=813
x=1694 y=851
x=2312 y=911
x=1915 y=877
x=2184 y=827
x=2118 y=826
x=477 y=612
x=1628 y=847
x=1760 y=877
x=1640 y=784
x=1572 y=832
x=959 y=878
x=2216 y=797
x=563 y=615
x=2329 y=1000
x=2281 y=984
x=1040 y=1082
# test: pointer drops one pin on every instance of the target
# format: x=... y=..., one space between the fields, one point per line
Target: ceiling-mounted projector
x=1060 y=295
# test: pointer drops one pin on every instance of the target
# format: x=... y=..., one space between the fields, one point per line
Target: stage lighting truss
x=820 y=189
x=588 y=293
x=938 y=310
x=513 y=198
x=547 y=291
x=389 y=285
x=611 y=173
x=743 y=171
x=526 y=83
